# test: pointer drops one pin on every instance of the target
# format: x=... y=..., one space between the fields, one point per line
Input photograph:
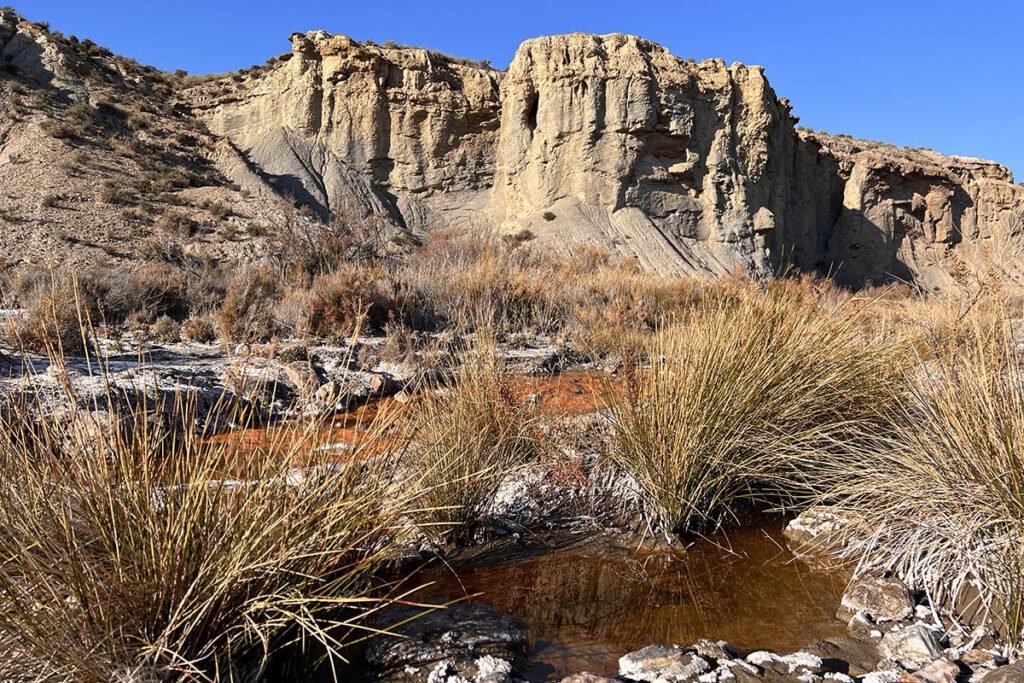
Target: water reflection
x=587 y=606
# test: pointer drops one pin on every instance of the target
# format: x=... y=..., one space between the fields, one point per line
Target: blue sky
x=943 y=74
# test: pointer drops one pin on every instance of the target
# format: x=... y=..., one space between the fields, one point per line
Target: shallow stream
x=587 y=605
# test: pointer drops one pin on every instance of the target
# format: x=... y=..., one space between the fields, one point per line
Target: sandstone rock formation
x=356 y=130
x=869 y=211
x=688 y=167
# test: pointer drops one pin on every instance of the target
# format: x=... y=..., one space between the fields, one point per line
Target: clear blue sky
x=946 y=74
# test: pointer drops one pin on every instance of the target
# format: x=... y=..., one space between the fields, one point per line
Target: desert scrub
x=727 y=399
x=58 y=312
x=464 y=442
x=941 y=499
x=157 y=555
x=247 y=311
x=350 y=298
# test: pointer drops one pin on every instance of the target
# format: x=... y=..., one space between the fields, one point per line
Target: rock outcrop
x=684 y=164
x=868 y=211
x=688 y=167
x=357 y=129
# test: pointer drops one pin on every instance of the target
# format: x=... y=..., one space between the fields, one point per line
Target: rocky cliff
x=691 y=168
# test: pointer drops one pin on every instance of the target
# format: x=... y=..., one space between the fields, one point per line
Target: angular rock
x=661 y=663
x=717 y=651
x=1012 y=673
x=913 y=647
x=457 y=636
x=878 y=598
x=797 y=663
x=817 y=531
x=939 y=671
x=587 y=677
x=303 y=378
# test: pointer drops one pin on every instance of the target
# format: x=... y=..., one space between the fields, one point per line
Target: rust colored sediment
x=370 y=429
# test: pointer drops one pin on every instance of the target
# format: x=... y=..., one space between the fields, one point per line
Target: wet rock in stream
x=879 y=599
x=466 y=641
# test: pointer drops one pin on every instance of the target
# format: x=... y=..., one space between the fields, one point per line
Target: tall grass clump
x=943 y=495
x=158 y=555
x=731 y=393
x=464 y=442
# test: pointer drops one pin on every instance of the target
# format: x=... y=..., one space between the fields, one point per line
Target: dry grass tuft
x=155 y=555
x=731 y=391
x=944 y=492
x=466 y=441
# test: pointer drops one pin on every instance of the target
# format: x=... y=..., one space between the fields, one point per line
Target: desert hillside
x=374 y=364
x=691 y=168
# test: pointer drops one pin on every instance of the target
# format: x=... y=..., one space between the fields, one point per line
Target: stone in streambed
x=662 y=663
x=880 y=599
x=912 y=647
x=461 y=640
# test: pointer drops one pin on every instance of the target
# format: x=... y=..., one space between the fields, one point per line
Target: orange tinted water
x=586 y=607
x=566 y=393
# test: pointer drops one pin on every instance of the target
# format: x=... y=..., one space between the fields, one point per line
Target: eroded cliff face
x=356 y=129
x=869 y=212
x=685 y=164
x=688 y=167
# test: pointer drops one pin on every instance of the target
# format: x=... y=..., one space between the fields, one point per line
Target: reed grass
x=157 y=554
x=465 y=441
x=943 y=492
x=733 y=390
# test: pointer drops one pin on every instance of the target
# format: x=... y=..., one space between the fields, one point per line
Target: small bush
x=110 y=193
x=57 y=315
x=153 y=290
x=247 y=312
x=201 y=329
x=165 y=329
x=339 y=304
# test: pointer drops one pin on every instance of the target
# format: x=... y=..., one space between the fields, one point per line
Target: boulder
x=913 y=647
x=1012 y=673
x=818 y=530
x=458 y=640
x=939 y=671
x=878 y=598
x=662 y=663
x=587 y=677
x=302 y=378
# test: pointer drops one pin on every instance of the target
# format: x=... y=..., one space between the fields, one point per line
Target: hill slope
x=691 y=168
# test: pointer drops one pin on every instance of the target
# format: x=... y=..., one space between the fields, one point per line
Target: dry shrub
x=152 y=290
x=151 y=556
x=733 y=390
x=199 y=328
x=943 y=495
x=57 y=314
x=465 y=441
x=247 y=312
x=165 y=329
x=339 y=303
x=302 y=248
